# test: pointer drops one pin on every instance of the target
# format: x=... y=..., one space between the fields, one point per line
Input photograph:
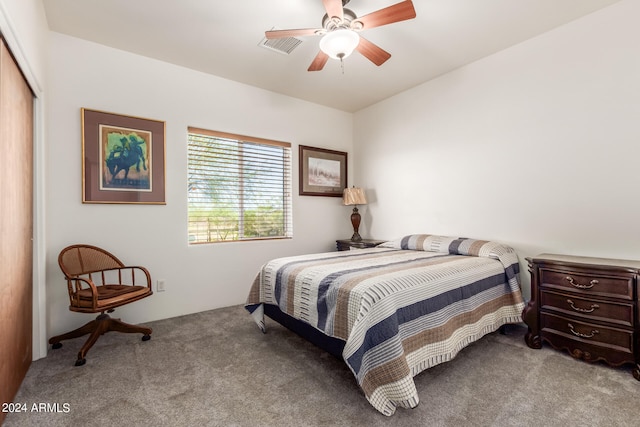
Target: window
x=239 y=187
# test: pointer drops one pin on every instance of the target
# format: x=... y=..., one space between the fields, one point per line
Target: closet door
x=16 y=226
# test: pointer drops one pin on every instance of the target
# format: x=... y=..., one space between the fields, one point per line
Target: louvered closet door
x=16 y=219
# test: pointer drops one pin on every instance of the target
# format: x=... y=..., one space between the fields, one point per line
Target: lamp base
x=355 y=222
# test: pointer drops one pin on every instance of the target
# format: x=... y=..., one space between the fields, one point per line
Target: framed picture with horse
x=123 y=158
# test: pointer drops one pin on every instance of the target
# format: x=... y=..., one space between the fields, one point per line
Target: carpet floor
x=217 y=369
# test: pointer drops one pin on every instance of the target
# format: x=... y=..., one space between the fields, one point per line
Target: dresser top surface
x=610 y=262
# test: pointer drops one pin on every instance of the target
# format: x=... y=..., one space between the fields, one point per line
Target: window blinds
x=239 y=187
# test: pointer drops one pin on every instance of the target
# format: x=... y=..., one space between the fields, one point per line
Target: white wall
x=84 y=74
x=536 y=146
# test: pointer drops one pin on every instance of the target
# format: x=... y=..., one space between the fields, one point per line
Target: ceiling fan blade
x=395 y=13
x=372 y=52
x=318 y=62
x=333 y=8
x=280 y=34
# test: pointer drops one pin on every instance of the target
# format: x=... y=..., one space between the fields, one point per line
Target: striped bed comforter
x=401 y=307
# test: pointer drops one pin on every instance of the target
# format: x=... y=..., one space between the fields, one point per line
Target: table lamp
x=353 y=197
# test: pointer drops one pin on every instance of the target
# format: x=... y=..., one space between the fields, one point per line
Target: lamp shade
x=354 y=196
x=340 y=43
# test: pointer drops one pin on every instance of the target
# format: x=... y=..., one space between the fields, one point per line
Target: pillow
x=421 y=242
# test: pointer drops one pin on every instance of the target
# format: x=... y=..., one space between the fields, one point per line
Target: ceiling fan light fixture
x=339 y=44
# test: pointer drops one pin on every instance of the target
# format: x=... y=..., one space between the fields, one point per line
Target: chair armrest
x=119 y=270
x=75 y=284
x=146 y=273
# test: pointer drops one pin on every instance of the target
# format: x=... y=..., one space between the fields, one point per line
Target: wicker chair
x=98 y=282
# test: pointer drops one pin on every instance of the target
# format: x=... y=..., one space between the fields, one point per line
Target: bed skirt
x=331 y=345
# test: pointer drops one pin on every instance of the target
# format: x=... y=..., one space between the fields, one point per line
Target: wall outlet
x=160 y=285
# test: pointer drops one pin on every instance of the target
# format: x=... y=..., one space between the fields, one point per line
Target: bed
x=392 y=311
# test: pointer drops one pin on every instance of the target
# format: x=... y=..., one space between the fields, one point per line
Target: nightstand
x=348 y=244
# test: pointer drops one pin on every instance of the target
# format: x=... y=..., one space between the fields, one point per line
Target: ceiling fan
x=340 y=31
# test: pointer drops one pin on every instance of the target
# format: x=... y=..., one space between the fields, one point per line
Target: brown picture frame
x=123 y=158
x=322 y=172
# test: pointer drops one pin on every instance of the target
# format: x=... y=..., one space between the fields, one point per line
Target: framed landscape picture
x=123 y=159
x=322 y=172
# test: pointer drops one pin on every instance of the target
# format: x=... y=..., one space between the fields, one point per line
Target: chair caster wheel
x=146 y=337
x=81 y=362
x=56 y=345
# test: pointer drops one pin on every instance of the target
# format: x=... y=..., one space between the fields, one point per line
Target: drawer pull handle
x=579 y=286
x=583 y=310
x=578 y=334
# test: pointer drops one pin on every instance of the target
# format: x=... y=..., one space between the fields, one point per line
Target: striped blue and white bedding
x=400 y=308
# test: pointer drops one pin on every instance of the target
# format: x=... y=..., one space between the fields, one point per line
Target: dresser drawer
x=578 y=334
x=588 y=309
x=573 y=280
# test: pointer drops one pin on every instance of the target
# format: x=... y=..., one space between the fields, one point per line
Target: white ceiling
x=222 y=37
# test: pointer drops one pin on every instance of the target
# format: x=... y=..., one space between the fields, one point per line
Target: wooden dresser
x=586 y=306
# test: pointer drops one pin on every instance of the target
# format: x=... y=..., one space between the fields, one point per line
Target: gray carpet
x=217 y=369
